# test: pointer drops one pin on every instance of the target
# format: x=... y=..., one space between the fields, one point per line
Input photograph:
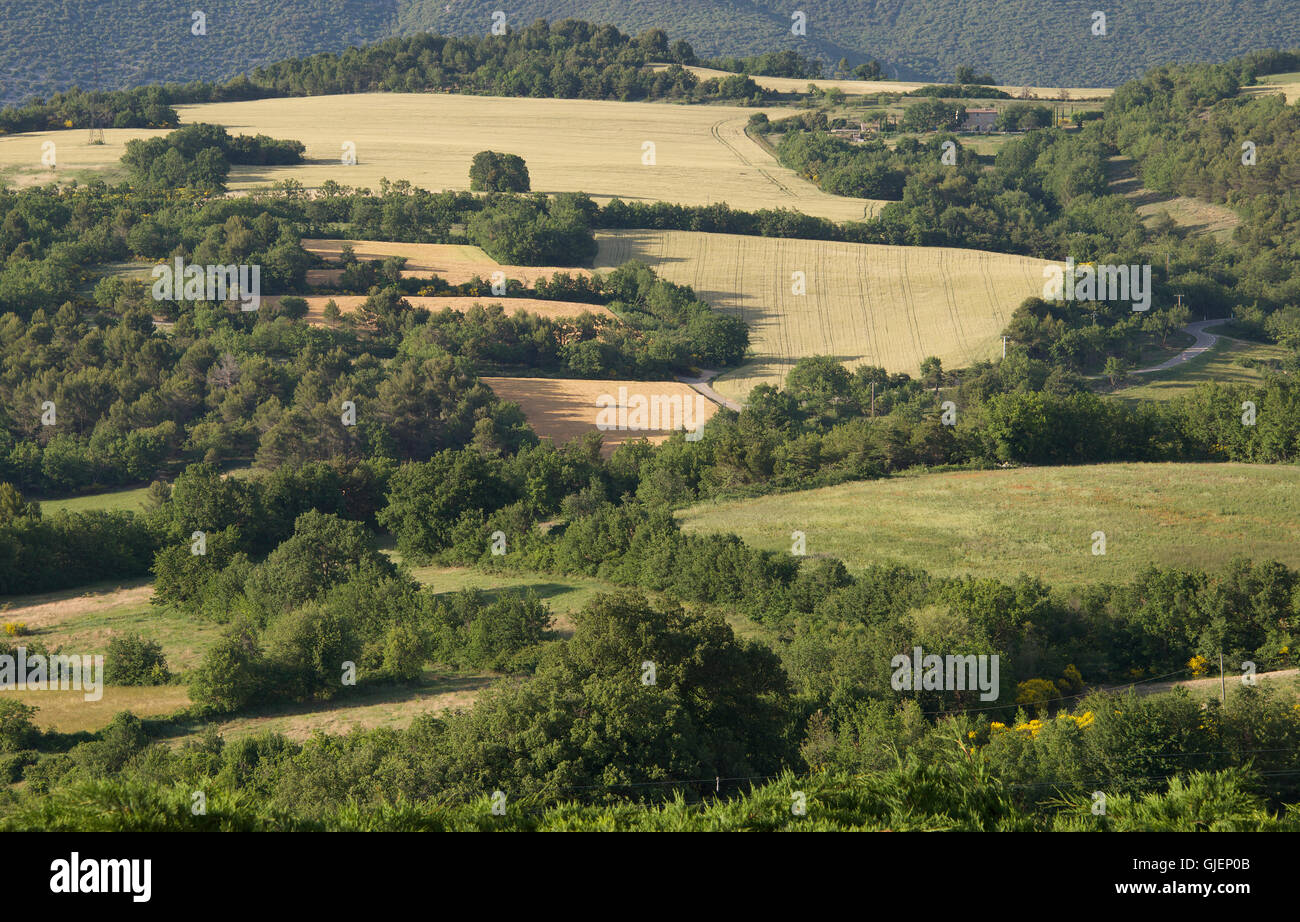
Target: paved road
x=1203 y=342
x=701 y=385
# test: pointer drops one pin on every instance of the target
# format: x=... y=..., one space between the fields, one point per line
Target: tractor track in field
x=715 y=130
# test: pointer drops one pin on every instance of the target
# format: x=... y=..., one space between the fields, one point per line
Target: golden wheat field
x=864 y=303
x=1286 y=84
x=553 y=310
x=859 y=87
x=562 y=409
x=701 y=153
x=455 y=263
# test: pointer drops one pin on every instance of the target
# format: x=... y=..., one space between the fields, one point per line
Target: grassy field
x=1038 y=521
x=364 y=708
x=554 y=310
x=865 y=303
x=860 y=87
x=22 y=163
x=1191 y=214
x=702 y=155
x=1219 y=364
x=131 y=499
x=67 y=711
x=562 y=409
x=83 y=620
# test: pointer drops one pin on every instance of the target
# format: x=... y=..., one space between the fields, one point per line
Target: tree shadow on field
x=642 y=246
x=269 y=173
x=543 y=591
x=359 y=696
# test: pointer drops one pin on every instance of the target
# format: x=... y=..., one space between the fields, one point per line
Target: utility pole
x=873 y=399
x=1223 y=687
x=1004 y=347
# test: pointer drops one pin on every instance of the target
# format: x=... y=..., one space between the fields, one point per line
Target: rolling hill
x=119 y=43
x=863 y=303
x=572 y=145
x=1038 y=521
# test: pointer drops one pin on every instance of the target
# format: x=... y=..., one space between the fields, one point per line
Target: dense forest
x=1019 y=41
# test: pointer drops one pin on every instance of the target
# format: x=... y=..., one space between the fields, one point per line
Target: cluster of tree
x=54 y=241
x=279 y=398
x=42 y=552
x=141 y=107
x=491 y=171
x=1137 y=743
x=662 y=329
x=1035 y=201
x=39 y=552
x=128 y=400
x=933 y=115
x=1023 y=116
x=771 y=64
x=1192 y=134
x=134 y=660
x=324 y=612
x=965 y=74
x=199 y=157
x=536 y=231
x=867 y=170
x=960 y=91
x=717 y=706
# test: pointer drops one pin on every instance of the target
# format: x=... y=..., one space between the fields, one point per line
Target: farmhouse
x=853 y=135
x=980 y=120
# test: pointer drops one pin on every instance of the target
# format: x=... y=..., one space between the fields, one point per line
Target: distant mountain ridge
x=47 y=46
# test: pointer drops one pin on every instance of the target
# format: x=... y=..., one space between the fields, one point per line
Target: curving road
x=1204 y=341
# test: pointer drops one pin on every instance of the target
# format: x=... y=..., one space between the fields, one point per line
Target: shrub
x=132 y=660
x=231 y=672
x=16 y=728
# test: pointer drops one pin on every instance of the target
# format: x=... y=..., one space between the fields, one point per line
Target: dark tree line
x=565 y=60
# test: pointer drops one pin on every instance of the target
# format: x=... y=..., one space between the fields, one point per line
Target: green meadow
x=1039 y=521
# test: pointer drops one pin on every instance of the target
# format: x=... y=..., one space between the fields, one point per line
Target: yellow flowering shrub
x=1035 y=692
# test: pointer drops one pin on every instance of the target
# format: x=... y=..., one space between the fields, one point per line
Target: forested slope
x=118 y=43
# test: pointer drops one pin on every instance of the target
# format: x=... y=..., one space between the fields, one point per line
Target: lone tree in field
x=494 y=172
